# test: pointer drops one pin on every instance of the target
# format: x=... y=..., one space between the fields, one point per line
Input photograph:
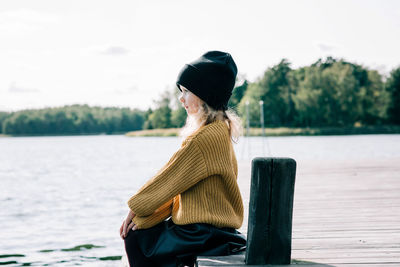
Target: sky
x=127 y=53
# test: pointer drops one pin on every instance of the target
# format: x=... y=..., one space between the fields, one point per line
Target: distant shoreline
x=155 y=132
x=279 y=131
x=285 y=131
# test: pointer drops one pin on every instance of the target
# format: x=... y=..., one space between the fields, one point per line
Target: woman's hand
x=127 y=225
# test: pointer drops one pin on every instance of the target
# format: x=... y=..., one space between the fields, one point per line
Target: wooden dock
x=345 y=213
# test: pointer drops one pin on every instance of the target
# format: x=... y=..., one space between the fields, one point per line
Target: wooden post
x=269 y=234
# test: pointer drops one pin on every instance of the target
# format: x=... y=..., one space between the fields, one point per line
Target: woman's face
x=189 y=101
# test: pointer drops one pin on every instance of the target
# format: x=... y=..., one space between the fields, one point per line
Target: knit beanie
x=210 y=77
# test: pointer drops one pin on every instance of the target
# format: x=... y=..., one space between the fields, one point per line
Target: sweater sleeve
x=186 y=168
x=158 y=216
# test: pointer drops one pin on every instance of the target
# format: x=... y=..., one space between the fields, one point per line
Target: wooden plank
x=338 y=251
x=347 y=234
x=336 y=261
x=346 y=254
x=347 y=240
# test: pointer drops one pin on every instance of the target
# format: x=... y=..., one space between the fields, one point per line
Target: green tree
x=237 y=95
x=161 y=116
x=393 y=87
x=178 y=114
x=338 y=93
x=307 y=97
x=374 y=99
x=275 y=90
x=3 y=117
x=178 y=117
x=147 y=123
x=250 y=101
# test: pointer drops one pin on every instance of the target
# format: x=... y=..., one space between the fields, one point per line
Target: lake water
x=62 y=199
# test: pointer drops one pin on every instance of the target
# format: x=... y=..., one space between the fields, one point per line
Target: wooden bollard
x=269 y=232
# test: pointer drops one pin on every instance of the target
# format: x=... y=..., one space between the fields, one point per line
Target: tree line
x=329 y=92
x=70 y=120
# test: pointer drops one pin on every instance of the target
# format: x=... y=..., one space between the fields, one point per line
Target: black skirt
x=168 y=244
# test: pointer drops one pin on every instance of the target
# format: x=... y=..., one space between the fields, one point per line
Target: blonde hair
x=206 y=115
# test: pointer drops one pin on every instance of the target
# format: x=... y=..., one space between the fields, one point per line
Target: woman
x=193 y=205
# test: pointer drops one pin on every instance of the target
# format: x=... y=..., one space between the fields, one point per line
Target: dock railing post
x=269 y=234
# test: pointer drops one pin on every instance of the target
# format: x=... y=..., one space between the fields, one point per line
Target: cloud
x=324 y=47
x=114 y=51
x=14 y=88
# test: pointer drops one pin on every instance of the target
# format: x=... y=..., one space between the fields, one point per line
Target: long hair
x=206 y=115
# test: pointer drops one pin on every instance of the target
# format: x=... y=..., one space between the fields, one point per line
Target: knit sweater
x=197 y=185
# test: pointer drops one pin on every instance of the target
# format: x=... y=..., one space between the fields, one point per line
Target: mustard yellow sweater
x=197 y=185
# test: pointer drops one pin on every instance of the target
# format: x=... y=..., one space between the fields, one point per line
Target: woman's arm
x=135 y=222
x=186 y=168
x=158 y=216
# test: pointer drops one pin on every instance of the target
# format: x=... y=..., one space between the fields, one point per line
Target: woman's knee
x=131 y=241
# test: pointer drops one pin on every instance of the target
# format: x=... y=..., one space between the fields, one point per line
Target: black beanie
x=211 y=77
